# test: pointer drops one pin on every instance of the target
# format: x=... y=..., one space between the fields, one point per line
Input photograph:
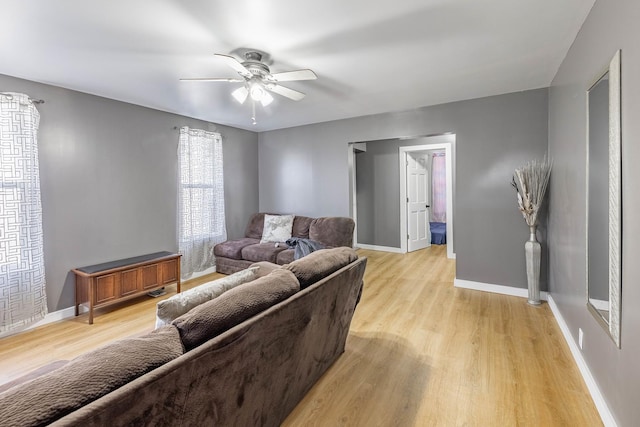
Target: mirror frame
x=612 y=324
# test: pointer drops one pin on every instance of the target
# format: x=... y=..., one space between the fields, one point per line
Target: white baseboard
x=65 y=313
x=496 y=289
x=379 y=248
x=594 y=390
x=390 y=249
x=69 y=312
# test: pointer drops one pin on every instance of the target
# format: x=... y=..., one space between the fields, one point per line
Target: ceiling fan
x=258 y=79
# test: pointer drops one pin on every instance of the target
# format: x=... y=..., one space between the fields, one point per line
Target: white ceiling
x=371 y=56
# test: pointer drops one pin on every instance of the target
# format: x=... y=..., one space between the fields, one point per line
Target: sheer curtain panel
x=439 y=193
x=22 y=283
x=201 y=221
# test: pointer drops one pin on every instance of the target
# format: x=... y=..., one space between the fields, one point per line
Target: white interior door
x=419 y=233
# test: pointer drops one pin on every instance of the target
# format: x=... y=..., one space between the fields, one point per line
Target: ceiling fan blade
x=286 y=92
x=235 y=64
x=213 y=79
x=289 y=76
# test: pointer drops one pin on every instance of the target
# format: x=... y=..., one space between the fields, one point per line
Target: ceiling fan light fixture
x=256 y=91
x=240 y=94
x=266 y=99
x=258 y=81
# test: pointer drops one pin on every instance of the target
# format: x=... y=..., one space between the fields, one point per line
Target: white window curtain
x=439 y=193
x=201 y=221
x=22 y=283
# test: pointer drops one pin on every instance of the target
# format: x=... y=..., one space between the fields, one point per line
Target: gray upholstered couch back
x=332 y=232
x=253 y=374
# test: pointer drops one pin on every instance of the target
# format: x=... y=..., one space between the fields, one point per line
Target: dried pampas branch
x=530 y=182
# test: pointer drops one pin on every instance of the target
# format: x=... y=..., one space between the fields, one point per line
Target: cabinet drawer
x=106 y=288
x=170 y=271
x=150 y=276
x=129 y=282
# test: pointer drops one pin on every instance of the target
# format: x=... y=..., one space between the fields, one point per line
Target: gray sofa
x=236 y=255
x=245 y=358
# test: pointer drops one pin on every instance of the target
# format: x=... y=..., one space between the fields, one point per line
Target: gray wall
x=365 y=199
x=378 y=212
x=304 y=170
x=611 y=25
x=108 y=179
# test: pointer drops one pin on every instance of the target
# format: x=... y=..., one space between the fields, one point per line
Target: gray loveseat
x=236 y=255
x=245 y=358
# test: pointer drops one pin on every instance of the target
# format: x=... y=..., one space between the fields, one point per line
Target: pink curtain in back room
x=439 y=196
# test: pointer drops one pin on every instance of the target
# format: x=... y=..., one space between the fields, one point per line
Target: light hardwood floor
x=420 y=353
x=66 y=339
x=423 y=353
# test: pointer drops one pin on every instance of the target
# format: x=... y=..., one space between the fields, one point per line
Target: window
x=201 y=218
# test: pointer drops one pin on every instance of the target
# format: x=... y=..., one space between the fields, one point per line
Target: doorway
x=377 y=175
x=407 y=154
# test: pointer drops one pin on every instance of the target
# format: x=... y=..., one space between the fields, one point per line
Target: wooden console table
x=104 y=284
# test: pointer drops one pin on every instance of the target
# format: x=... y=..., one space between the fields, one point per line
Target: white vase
x=532 y=255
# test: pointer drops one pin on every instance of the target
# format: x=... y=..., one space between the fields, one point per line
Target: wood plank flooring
x=423 y=353
x=420 y=353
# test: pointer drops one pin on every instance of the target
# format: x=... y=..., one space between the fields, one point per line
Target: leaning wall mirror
x=604 y=220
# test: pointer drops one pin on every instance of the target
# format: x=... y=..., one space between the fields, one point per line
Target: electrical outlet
x=580 y=337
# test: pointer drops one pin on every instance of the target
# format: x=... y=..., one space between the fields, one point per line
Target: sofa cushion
x=233 y=248
x=171 y=308
x=88 y=377
x=301 y=226
x=285 y=257
x=332 y=231
x=263 y=252
x=255 y=226
x=321 y=263
x=277 y=228
x=235 y=306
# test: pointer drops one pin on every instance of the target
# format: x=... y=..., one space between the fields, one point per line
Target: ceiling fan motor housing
x=255 y=65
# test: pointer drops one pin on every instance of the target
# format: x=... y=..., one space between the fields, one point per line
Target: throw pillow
x=172 y=308
x=277 y=228
x=234 y=307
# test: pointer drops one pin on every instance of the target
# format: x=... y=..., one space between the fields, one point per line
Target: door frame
x=402 y=157
x=352 y=147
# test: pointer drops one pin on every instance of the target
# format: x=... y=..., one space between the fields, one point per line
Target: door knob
x=428 y=206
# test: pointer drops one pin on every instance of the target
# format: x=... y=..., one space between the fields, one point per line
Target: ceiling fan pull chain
x=253 y=108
